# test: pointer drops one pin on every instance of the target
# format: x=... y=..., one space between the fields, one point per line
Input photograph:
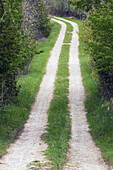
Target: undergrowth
x=14 y=116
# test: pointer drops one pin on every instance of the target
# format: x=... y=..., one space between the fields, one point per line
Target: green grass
x=99 y=110
x=68 y=35
x=58 y=115
x=14 y=116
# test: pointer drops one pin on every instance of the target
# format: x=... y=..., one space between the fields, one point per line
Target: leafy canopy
x=88 y=5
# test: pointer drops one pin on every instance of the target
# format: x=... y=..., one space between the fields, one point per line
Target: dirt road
x=29 y=147
x=83 y=154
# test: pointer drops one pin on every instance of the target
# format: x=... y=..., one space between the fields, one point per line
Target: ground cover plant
x=99 y=110
x=15 y=115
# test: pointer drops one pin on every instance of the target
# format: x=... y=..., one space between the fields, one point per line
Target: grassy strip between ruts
x=14 y=116
x=99 y=111
x=58 y=115
x=68 y=35
x=69 y=31
x=59 y=125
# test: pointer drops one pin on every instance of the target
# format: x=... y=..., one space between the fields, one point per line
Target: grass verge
x=58 y=115
x=99 y=110
x=14 y=116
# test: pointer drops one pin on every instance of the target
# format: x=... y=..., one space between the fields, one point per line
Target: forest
x=24 y=25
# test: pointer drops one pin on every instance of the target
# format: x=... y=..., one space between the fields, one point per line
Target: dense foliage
x=36 y=21
x=63 y=8
x=87 y=5
x=15 y=44
x=101 y=47
x=43 y=20
x=14 y=116
x=57 y=7
x=14 y=49
x=99 y=40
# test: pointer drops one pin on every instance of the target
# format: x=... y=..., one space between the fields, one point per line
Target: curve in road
x=83 y=153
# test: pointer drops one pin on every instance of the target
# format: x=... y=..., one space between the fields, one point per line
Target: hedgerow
x=21 y=22
x=99 y=40
x=101 y=47
x=14 y=48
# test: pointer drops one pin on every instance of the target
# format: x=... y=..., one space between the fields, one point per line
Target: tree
x=99 y=41
x=15 y=44
x=59 y=7
x=36 y=22
x=101 y=47
x=14 y=48
x=87 y=5
x=1 y=9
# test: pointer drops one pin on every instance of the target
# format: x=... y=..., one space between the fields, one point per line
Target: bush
x=101 y=47
x=99 y=35
x=14 y=48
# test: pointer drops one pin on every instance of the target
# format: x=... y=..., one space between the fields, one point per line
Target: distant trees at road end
x=63 y=8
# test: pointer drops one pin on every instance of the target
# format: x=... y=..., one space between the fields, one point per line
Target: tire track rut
x=83 y=153
x=29 y=147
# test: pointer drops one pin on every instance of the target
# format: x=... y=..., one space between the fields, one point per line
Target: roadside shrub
x=101 y=47
x=14 y=49
x=99 y=35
